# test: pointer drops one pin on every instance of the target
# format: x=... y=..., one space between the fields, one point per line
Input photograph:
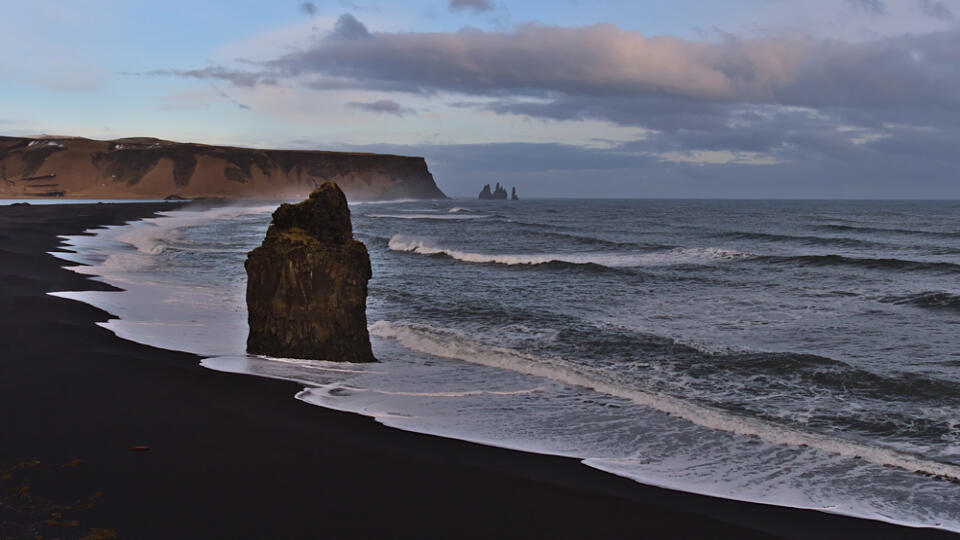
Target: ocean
x=799 y=353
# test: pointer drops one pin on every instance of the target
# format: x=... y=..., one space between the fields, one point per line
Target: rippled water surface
x=800 y=353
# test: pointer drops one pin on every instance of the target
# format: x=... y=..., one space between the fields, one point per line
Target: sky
x=563 y=98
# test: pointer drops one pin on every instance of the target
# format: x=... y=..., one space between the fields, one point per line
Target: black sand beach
x=234 y=456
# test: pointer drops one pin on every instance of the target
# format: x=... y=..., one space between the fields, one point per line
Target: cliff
x=146 y=168
x=307 y=283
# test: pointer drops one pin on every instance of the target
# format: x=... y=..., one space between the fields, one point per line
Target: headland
x=149 y=168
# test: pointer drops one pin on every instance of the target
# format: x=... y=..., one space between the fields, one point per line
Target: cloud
x=765 y=100
x=935 y=9
x=348 y=28
x=230 y=98
x=476 y=5
x=870 y=7
x=198 y=98
x=383 y=106
x=663 y=113
x=592 y=67
x=605 y=62
x=308 y=8
x=235 y=77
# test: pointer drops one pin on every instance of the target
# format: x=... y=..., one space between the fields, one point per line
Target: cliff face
x=307 y=283
x=155 y=169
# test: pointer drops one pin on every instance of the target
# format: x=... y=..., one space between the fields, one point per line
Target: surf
x=438 y=342
x=676 y=256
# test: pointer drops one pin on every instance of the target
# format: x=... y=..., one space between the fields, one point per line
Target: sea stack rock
x=307 y=283
x=499 y=193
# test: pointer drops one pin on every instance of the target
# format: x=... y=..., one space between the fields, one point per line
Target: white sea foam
x=450 y=394
x=184 y=310
x=150 y=239
x=154 y=235
x=320 y=365
x=426 y=246
x=447 y=344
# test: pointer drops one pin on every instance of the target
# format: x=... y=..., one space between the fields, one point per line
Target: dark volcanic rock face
x=307 y=283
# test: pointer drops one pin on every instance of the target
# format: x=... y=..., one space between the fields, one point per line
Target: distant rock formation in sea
x=513 y=195
x=147 y=168
x=307 y=283
x=498 y=194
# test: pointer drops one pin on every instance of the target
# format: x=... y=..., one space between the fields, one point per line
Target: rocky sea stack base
x=307 y=283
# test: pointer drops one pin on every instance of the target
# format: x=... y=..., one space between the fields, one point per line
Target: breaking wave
x=150 y=239
x=676 y=256
x=153 y=236
x=448 y=344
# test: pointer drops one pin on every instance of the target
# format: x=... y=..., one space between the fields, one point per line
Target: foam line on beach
x=319 y=365
x=465 y=393
x=437 y=342
x=154 y=235
x=625 y=468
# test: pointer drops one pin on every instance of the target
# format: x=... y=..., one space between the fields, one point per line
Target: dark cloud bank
x=836 y=119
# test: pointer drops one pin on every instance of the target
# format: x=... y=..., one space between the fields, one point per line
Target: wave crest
x=150 y=239
x=448 y=344
x=675 y=256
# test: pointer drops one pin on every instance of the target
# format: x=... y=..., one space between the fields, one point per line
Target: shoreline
x=236 y=456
